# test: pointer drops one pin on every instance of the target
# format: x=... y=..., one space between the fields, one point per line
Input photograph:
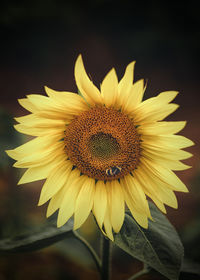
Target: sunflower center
x=103 y=143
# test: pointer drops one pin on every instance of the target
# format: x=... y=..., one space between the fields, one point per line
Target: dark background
x=39 y=43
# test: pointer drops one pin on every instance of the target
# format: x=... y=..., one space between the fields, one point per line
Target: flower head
x=101 y=150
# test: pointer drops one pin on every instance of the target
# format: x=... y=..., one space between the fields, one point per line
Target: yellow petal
x=57 y=199
x=58 y=95
x=164 y=175
x=41 y=157
x=165 y=161
x=135 y=191
x=153 y=113
x=165 y=152
x=39 y=172
x=116 y=204
x=39 y=131
x=71 y=101
x=13 y=154
x=107 y=224
x=70 y=195
x=168 y=196
x=161 y=128
x=157 y=189
x=140 y=218
x=175 y=141
x=179 y=141
x=155 y=108
x=65 y=116
x=84 y=202
x=35 y=174
x=39 y=144
x=33 y=120
x=134 y=98
x=84 y=84
x=158 y=101
x=55 y=106
x=42 y=102
x=167 y=96
x=109 y=88
x=55 y=181
x=24 y=102
x=125 y=84
x=143 y=177
x=55 y=202
x=159 y=204
x=100 y=202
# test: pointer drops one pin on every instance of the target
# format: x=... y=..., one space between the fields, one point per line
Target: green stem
x=138 y=274
x=106 y=254
x=90 y=249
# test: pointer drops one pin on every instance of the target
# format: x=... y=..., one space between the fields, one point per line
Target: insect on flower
x=113 y=171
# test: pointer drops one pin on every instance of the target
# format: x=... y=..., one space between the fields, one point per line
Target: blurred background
x=40 y=41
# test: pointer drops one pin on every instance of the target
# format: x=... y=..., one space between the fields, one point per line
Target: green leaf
x=41 y=238
x=159 y=246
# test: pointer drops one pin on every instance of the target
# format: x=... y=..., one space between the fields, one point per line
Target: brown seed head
x=101 y=139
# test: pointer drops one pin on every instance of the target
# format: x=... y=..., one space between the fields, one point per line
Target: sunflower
x=102 y=150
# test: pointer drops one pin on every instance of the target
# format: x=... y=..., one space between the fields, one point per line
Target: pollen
x=101 y=140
